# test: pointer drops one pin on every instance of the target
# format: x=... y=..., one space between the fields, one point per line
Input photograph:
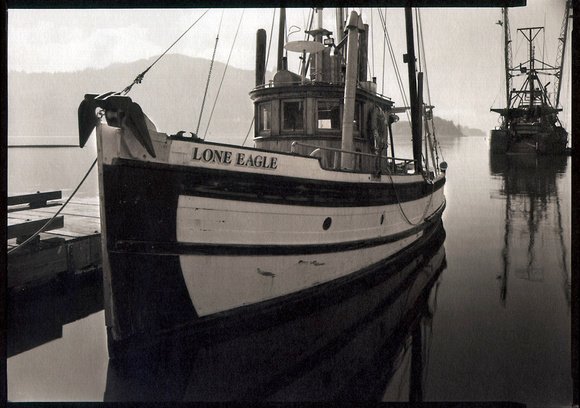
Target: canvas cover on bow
x=126 y=110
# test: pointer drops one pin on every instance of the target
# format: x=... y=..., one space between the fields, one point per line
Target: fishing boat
x=529 y=122
x=199 y=234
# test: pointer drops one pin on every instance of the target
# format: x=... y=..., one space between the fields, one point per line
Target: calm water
x=483 y=317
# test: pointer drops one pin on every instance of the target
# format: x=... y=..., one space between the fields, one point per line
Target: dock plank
x=26 y=229
x=74 y=247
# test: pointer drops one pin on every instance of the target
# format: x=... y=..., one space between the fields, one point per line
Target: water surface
x=494 y=324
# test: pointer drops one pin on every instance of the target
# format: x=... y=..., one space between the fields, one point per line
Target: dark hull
x=528 y=142
x=146 y=281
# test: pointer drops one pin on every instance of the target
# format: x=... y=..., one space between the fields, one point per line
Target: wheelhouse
x=304 y=115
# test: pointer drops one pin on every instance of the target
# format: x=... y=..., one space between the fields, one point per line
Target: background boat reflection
x=346 y=350
x=534 y=241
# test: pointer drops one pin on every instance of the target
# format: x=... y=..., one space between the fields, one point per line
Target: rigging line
x=436 y=142
x=209 y=74
x=401 y=206
x=393 y=60
x=422 y=42
x=224 y=74
x=306 y=61
x=311 y=13
x=396 y=67
x=139 y=77
x=372 y=46
x=544 y=43
x=417 y=39
x=56 y=214
x=249 y=130
x=384 y=44
x=271 y=36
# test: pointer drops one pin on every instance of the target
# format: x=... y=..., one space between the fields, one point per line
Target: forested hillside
x=171 y=94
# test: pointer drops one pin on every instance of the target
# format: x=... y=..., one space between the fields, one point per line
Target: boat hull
x=529 y=140
x=359 y=330
x=192 y=241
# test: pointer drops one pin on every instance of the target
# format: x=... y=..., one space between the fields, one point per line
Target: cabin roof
x=319 y=90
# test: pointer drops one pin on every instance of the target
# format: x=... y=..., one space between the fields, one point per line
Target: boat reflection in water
x=348 y=347
x=534 y=236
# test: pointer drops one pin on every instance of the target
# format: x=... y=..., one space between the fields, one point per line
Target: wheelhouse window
x=328 y=115
x=264 y=117
x=292 y=115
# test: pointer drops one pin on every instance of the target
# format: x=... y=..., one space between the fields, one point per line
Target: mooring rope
x=56 y=214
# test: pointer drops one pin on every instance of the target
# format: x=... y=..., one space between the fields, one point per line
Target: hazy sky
x=463 y=46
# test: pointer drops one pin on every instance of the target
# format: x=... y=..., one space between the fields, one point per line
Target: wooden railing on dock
x=35 y=200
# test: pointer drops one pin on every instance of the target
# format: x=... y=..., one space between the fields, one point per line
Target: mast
x=415 y=103
x=531 y=73
x=561 y=51
x=347 y=159
x=339 y=24
x=281 y=39
x=530 y=33
x=507 y=56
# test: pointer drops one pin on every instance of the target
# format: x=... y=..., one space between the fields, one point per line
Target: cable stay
x=395 y=66
x=209 y=74
x=428 y=107
x=139 y=77
x=223 y=75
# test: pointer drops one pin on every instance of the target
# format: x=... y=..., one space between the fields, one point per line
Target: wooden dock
x=71 y=244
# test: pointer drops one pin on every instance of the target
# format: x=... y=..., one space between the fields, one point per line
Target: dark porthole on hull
x=326 y=223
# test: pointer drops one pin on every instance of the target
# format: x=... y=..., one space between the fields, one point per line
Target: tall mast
x=281 y=31
x=507 y=55
x=562 y=51
x=353 y=26
x=415 y=103
x=339 y=24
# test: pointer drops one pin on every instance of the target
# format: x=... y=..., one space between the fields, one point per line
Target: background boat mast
x=507 y=56
x=561 y=51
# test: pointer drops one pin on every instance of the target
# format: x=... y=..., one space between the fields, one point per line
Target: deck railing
x=395 y=164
